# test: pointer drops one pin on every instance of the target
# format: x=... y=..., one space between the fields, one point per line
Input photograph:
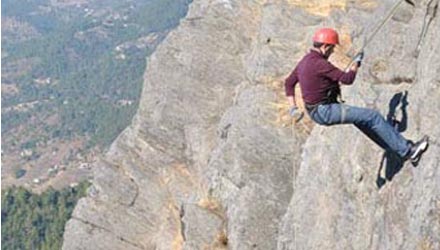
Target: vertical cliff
x=212 y=160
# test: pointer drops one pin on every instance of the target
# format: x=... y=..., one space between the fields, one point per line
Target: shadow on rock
x=391 y=163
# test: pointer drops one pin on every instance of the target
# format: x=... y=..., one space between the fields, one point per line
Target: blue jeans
x=369 y=121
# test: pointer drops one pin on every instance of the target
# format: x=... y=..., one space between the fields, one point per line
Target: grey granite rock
x=212 y=161
x=337 y=209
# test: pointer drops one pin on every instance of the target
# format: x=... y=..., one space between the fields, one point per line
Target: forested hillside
x=71 y=78
x=31 y=221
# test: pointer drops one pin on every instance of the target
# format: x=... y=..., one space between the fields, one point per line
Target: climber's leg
x=371 y=122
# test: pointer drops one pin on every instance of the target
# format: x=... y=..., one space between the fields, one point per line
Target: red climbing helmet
x=327 y=36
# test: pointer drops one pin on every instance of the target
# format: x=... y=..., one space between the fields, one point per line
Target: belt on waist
x=311 y=107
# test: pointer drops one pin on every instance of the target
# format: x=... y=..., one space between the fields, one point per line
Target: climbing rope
x=379 y=27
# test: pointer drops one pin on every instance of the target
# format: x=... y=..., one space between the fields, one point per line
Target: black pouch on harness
x=332 y=97
x=333 y=94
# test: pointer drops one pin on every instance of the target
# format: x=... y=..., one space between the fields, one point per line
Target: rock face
x=212 y=160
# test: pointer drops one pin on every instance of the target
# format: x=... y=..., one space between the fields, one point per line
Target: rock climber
x=320 y=87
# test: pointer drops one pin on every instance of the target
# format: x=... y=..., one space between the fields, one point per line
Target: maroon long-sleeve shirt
x=316 y=77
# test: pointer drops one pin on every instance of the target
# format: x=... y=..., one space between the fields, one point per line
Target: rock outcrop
x=212 y=160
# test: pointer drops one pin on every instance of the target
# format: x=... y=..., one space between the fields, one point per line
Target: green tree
x=31 y=221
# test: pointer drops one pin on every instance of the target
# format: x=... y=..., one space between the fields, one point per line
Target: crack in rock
x=119 y=237
x=182 y=223
x=122 y=170
x=136 y=192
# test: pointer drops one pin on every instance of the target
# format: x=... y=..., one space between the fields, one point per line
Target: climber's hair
x=317 y=44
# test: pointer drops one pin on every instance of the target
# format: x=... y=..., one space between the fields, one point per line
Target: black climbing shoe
x=417 y=150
